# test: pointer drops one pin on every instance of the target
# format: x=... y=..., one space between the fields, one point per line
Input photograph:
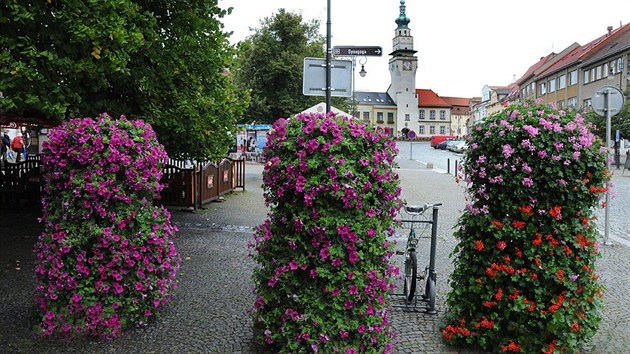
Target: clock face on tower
x=407 y=65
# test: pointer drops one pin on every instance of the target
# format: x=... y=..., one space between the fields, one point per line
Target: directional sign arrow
x=345 y=51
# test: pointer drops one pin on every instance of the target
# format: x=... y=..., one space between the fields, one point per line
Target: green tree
x=165 y=61
x=270 y=66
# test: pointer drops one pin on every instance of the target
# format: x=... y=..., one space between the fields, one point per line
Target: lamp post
x=362 y=73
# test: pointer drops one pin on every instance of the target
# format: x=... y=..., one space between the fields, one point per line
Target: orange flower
x=538 y=240
x=497 y=224
x=575 y=327
x=556 y=212
x=485 y=323
x=526 y=209
x=499 y=294
x=479 y=245
x=489 y=303
x=518 y=224
x=511 y=347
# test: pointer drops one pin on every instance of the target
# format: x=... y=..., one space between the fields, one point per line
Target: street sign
x=314 y=81
x=345 y=51
x=599 y=100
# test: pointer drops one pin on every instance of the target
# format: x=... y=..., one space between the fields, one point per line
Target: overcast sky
x=462 y=44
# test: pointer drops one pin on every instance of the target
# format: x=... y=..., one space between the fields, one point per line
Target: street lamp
x=362 y=72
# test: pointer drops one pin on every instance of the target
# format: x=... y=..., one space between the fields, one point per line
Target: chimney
x=610 y=28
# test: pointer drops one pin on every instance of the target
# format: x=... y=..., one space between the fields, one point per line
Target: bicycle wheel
x=411 y=275
x=431 y=291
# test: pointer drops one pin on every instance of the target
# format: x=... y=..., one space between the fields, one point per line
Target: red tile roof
x=457 y=101
x=578 y=54
x=428 y=98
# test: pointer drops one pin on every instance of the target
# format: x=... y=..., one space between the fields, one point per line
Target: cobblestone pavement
x=618 y=209
x=210 y=309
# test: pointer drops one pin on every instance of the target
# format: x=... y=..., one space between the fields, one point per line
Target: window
x=593 y=74
x=620 y=64
x=587 y=77
x=432 y=114
x=406 y=117
x=366 y=115
x=379 y=117
x=605 y=73
x=613 y=67
x=442 y=114
x=560 y=104
x=572 y=102
x=542 y=89
x=431 y=130
x=562 y=82
x=421 y=114
x=442 y=130
x=587 y=105
x=390 y=117
x=573 y=78
x=552 y=85
x=421 y=129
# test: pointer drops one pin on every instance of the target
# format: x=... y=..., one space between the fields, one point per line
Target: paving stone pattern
x=209 y=312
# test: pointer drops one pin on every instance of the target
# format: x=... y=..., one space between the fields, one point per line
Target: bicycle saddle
x=414 y=208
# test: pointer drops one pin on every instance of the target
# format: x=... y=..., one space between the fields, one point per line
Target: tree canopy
x=165 y=61
x=270 y=66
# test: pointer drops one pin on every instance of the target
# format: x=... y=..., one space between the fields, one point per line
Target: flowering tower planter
x=106 y=259
x=524 y=278
x=324 y=271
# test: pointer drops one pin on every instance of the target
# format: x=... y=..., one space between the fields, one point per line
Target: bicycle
x=411 y=258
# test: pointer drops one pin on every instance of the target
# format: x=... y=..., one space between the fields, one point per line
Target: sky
x=462 y=44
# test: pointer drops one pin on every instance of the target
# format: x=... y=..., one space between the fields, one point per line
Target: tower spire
x=402 y=21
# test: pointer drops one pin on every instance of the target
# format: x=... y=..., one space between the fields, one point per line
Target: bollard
x=455 y=168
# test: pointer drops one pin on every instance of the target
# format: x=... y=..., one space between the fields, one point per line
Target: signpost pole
x=328 y=61
x=607 y=93
x=607 y=102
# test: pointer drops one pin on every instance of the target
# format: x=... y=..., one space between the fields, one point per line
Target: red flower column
x=524 y=279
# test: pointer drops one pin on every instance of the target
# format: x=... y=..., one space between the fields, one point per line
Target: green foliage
x=324 y=274
x=270 y=67
x=167 y=62
x=524 y=278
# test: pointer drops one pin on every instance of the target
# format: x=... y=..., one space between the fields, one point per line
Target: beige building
x=569 y=78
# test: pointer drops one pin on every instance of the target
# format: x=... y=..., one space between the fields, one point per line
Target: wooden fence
x=186 y=185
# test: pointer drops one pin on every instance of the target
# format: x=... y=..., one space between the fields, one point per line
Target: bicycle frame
x=430 y=274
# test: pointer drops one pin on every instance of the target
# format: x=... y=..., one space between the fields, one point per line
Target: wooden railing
x=185 y=184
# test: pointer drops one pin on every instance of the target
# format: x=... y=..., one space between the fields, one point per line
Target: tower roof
x=402 y=21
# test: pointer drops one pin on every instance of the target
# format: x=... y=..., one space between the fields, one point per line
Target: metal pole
x=328 y=61
x=607 y=92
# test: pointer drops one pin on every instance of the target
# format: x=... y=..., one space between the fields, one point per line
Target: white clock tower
x=402 y=69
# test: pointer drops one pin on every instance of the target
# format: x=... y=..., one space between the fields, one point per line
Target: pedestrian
x=17 y=145
x=26 y=141
x=5 y=145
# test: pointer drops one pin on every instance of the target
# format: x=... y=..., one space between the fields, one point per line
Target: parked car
x=441 y=145
x=458 y=146
x=437 y=139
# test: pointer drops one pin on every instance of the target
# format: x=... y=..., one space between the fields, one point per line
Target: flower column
x=524 y=276
x=324 y=271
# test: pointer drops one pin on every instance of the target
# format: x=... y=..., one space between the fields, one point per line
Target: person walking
x=17 y=145
x=4 y=146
